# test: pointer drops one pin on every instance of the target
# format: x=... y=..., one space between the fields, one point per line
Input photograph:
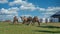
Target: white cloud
x=42 y=9
x=24 y=5
x=8 y=13
x=26 y=15
x=17 y=2
x=53 y=9
x=27 y=8
x=12 y=10
x=3 y=1
x=50 y=10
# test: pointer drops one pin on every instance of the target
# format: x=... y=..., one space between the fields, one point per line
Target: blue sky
x=40 y=8
x=46 y=3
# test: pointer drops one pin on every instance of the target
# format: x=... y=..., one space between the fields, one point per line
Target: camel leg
x=33 y=23
x=38 y=23
x=23 y=22
x=27 y=23
x=13 y=22
x=16 y=22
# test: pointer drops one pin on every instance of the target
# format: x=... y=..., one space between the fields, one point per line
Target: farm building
x=45 y=20
x=56 y=16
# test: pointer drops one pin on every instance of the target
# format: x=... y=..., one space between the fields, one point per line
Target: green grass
x=49 y=28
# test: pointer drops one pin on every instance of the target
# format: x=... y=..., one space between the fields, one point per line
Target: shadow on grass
x=47 y=31
x=49 y=26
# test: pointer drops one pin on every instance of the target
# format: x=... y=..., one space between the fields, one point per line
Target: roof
x=56 y=15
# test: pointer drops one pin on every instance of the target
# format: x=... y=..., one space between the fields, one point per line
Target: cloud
x=42 y=9
x=27 y=8
x=3 y=1
x=8 y=13
x=17 y=2
x=26 y=15
x=53 y=9
x=47 y=12
x=24 y=5
x=50 y=10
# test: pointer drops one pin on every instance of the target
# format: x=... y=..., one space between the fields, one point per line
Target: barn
x=56 y=15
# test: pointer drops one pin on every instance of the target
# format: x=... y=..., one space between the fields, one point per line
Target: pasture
x=49 y=28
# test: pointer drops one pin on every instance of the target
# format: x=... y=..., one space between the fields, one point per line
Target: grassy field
x=49 y=28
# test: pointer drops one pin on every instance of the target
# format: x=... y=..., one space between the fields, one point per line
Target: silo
x=43 y=20
x=48 y=20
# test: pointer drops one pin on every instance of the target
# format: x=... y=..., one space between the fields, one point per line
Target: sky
x=40 y=8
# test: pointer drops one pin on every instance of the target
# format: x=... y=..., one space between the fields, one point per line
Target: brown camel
x=35 y=19
x=26 y=20
x=15 y=20
x=30 y=19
